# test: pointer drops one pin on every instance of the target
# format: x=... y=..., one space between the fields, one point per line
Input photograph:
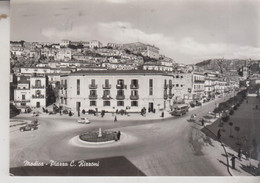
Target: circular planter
x=92 y=137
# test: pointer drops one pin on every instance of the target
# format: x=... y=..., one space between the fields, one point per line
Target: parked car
x=83 y=120
x=29 y=127
x=198 y=103
x=192 y=104
x=35 y=114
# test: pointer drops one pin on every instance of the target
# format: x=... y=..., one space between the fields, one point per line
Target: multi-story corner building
x=112 y=90
x=38 y=90
x=22 y=94
x=31 y=93
x=210 y=83
x=220 y=86
x=182 y=87
x=144 y=49
x=198 y=85
x=157 y=66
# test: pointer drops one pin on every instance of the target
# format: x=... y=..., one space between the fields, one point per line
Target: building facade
x=116 y=90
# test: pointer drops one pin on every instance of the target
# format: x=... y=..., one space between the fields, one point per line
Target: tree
x=230 y=124
x=237 y=128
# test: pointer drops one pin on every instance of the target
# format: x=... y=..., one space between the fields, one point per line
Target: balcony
x=132 y=86
x=165 y=86
x=199 y=81
x=37 y=87
x=37 y=96
x=92 y=86
x=106 y=97
x=20 y=101
x=92 y=97
x=171 y=95
x=120 y=86
x=134 y=97
x=120 y=97
x=106 y=86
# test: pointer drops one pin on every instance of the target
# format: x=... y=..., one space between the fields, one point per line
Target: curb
x=95 y=143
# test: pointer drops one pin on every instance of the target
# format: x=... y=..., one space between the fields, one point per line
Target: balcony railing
x=106 y=86
x=199 y=81
x=165 y=86
x=106 y=97
x=93 y=97
x=37 y=96
x=121 y=86
x=120 y=97
x=132 y=86
x=134 y=97
x=20 y=101
x=92 y=86
x=37 y=87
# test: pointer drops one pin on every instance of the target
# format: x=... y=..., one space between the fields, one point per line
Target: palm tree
x=230 y=124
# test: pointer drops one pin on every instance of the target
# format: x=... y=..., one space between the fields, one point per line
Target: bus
x=180 y=110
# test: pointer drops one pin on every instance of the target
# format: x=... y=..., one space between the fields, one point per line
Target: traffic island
x=100 y=137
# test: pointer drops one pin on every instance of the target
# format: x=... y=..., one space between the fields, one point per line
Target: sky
x=188 y=31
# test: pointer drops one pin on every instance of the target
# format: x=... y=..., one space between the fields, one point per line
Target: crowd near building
x=89 y=75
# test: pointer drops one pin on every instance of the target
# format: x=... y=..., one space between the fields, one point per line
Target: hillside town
x=46 y=73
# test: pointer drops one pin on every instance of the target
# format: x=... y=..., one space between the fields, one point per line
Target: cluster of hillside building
x=88 y=75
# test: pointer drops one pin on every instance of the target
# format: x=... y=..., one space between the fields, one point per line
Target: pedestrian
x=60 y=112
x=233 y=161
x=78 y=113
x=118 y=135
x=115 y=136
x=219 y=134
x=239 y=153
x=202 y=122
x=115 y=120
x=162 y=115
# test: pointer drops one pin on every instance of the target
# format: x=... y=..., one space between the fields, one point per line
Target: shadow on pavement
x=112 y=166
x=250 y=169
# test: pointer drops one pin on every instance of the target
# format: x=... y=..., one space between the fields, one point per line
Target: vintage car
x=83 y=120
x=29 y=127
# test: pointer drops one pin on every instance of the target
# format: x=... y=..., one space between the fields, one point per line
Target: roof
x=117 y=72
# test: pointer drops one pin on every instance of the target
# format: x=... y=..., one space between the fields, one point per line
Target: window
x=150 y=86
x=120 y=92
x=93 y=82
x=134 y=83
x=106 y=82
x=106 y=103
x=78 y=87
x=177 y=85
x=134 y=92
x=65 y=100
x=61 y=100
x=106 y=93
x=37 y=83
x=92 y=103
x=93 y=92
x=120 y=82
x=65 y=83
x=120 y=103
x=23 y=97
x=134 y=103
x=177 y=76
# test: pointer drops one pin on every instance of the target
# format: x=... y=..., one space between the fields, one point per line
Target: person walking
x=233 y=161
x=239 y=155
x=118 y=135
x=115 y=120
x=202 y=122
x=219 y=134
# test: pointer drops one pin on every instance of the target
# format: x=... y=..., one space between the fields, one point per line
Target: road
x=170 y=147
